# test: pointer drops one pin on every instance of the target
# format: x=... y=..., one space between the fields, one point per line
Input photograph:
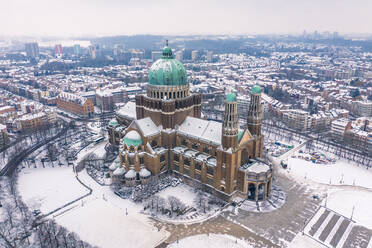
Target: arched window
x=176 y=157
x=210 y=170
x=162 y=158
x=206 y=149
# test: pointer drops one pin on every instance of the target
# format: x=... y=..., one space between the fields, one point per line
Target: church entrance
x=252 y=191
x=261 y=192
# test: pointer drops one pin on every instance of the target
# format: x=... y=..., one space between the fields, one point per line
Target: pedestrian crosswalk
x=329 y=228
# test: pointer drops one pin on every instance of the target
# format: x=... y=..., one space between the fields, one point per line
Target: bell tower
x=254 y=119
x=230 y=123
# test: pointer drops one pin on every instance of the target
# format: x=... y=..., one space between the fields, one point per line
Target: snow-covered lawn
x=101 y=223
x=183 y=192
x=94 y=127
x=49 y=188
x=349 y=173
x=98 y=149
x=343 y=201
x=101 y=220
x=210 y=241
x=304 y=241
x=198 y=207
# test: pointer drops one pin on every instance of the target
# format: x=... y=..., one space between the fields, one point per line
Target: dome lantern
x=167 y=71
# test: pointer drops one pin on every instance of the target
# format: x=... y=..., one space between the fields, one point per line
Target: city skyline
x=100 y=18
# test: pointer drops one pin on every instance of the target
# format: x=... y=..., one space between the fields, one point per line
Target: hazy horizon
x=71 y=18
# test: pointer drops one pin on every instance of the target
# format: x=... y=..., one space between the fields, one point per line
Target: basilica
x=163 y=132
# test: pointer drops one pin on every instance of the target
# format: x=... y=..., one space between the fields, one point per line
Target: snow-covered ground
x=340 y=173
x=303 y=241
x=104 y=224
x=183 y=192
x=98 y=149
x=94 y=127
x=101 y=219
x=187 y=195
x=343 y=202
x=49 y=188
x=210 y=241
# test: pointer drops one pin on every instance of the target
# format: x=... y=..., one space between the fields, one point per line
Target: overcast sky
x=114 y=17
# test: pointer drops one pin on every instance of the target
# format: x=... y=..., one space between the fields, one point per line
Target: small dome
x=144 y=173
x=132 y=138
x=114 y=166
x=113 y=123
x=130 y=174
x=231 y=97
x=256 y=89
x=119 y=171
x=167 y=70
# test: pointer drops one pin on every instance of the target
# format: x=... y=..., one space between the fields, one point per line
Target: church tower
x=230 y=123
x=254 y=119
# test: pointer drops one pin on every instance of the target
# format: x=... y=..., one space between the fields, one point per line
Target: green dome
x=167 y=70
x=132 y=138
x=231 y=97
x=113 y=123
x=256 y=89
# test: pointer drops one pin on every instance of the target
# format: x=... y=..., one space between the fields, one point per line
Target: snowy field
x=210 y=241
x=340 y=173
x=98 y=149
x=343 y=201
x=94 y=127
x=101 y=223
x=101 y=219
x=191 y=200
x=303 y=241
x=183 y=192
x=49 y=188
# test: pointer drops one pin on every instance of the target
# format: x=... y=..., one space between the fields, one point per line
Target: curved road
x=10 y=167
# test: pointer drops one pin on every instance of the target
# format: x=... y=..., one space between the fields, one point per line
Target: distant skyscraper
x=92 y=51
x=58 y=50
x=194 y=55
x=179 y=55
x=118 y=49
x=32 y=50
x=209 y=56
x=335 y=35
x=155 y=55
x=77 y=49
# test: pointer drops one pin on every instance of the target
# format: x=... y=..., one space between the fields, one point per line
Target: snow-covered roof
x=147 y=127
x=129 y=111
x=207 y=131
x=130 y=174
x=119 y=171
x=114 y=166
x=144 y=172
x=133 y=135
x=212 y=161
x=255 y=167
